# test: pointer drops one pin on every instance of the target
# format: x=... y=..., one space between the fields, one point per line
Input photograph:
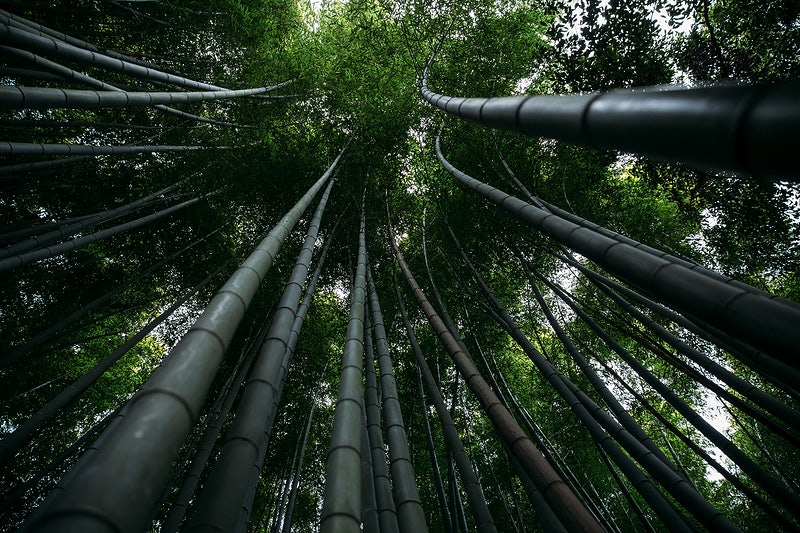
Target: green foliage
x=355 y=70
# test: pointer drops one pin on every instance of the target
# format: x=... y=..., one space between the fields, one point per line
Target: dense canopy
x=257 y=271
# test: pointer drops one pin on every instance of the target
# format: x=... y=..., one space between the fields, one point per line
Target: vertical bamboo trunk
x=437 y=472
x=175 y=516
x=341 y=507
x=387 y=512
x=410 y=515
x=369 y=505
x=133 y=463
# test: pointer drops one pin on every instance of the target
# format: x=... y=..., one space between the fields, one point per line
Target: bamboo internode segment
x=750 y=130
x=18 y=149
x=224 y=495
x=484 y=522
x=410 y=514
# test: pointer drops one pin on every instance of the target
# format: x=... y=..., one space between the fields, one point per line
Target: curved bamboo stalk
x=38 y=29
x=23 y=149
x=741 y=385
x=78 y=77
x=767 y=324
x=747 y=129
x=768 y=368
x=341 y=506
x=469 y=479
x=410 y=515
x=133 y=463
x=542 y=442
x=543 y=510
x=49 y=46
x=566 y=215
x=569 y=510
x=760 y=362
x=621 y=414
x=551 y=208
x=722 y=393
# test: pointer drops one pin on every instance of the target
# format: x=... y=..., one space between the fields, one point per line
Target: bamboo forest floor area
x=372 y=265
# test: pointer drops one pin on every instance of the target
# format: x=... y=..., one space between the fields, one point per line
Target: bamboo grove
x=399 y=266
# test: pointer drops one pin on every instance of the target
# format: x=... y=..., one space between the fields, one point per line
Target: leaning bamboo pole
x=566 y=506
x=766 y=323
x=46 y=45
x=384 y=499
x=133 y=463
x=26 y=258
x=16 y=97
x=224 y=495
x=469 y=478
